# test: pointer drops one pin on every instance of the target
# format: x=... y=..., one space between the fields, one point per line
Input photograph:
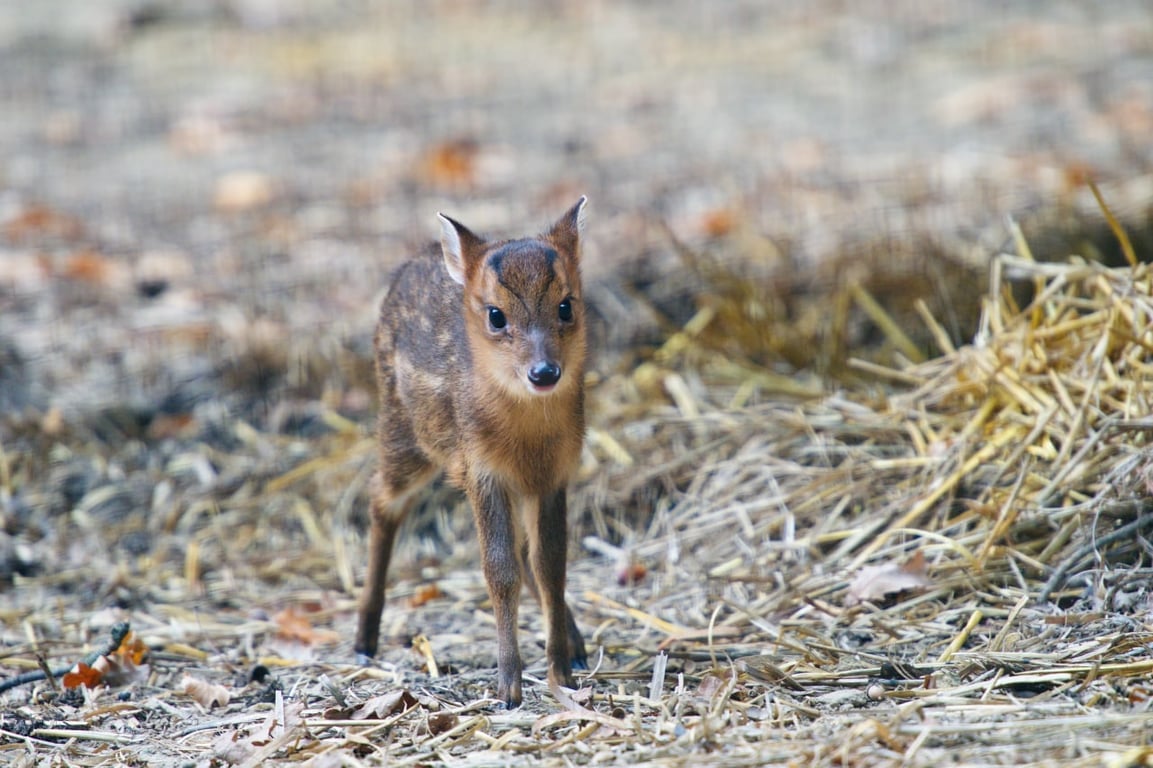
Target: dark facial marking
x=516 y=267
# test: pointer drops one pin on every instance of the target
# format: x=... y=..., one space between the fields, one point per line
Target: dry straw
x=731 y=516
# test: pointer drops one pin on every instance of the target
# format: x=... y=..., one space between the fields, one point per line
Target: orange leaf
x=87 y=266
x=632 y=573
x=424 y=593
x=82 y=675
x=718 y=222
x=40 y=220
x=291 y=624
x=450 y=164
x=132 y=650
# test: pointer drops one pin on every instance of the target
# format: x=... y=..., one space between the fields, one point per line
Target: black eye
x=564 y=311
x=496 y=319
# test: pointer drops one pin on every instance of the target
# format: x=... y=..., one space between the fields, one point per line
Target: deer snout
x=544 y=370
x=544 y=375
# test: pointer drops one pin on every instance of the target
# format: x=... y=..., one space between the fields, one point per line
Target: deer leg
x=390 y=505
x=497 y=533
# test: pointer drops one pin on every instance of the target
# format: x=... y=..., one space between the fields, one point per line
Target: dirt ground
x=200 y=203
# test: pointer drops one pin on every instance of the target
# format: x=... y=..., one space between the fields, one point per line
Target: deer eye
x=564 y=311
x=496 y=319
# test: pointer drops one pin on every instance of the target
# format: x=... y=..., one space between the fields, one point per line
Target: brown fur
x=456 y=394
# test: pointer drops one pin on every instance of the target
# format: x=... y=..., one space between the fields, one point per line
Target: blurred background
x=206 y=197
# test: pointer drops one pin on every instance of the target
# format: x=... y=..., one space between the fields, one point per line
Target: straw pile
x=1003 y=489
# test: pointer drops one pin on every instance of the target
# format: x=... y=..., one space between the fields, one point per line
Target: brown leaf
x=875 y=583
x=82 y=675
x=132 y=649
x=440 y=722
x=424 y=593
x=206 y=694
x=41 y=221
x=631 y=573
x=291 y=624
x=450 y=164
x=718 y=222
x=380 y=707
x=87 y=266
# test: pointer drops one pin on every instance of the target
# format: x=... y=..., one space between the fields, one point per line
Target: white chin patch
x=539 y=391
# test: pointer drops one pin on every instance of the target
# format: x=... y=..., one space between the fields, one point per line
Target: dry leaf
x=132 y=650
x=206 y=694
x=631 y=573
x=450 y=164
x=440 y=722
x=574 y=710
x=875 y=583
x=423 y=594
x=41 y=221
x=718 y=222
x=121 y=667
x=82 y=675
x=291 y=624
x=87 y=266
x=712 y=683
x=380 y=707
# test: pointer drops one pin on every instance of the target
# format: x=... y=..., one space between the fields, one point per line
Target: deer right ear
x=460 y=247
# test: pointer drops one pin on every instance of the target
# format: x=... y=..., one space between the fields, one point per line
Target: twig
x=119 y=631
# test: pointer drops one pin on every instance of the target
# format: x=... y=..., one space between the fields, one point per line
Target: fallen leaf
x=291 y=624
x=424 y=593
x=440 y=722
x=132 y=649
x=82 y=675
x=380 y=707
x=712 y=683
x=204 y=693
x=450 y=164
x=87 y=266
x=121 y=667
x=875 y=583
x=41 y=221
x=631 y=574
x=718 y=222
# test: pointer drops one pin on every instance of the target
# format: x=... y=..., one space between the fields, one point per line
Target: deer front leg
x=547 y=550
x=497 y=534
x=576 y=644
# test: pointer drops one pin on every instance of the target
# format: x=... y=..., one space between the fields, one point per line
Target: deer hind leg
x=391 y=500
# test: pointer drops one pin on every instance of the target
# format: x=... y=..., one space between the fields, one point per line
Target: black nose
x=544 y=374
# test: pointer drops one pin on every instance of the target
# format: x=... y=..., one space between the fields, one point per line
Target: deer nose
x=544 y=374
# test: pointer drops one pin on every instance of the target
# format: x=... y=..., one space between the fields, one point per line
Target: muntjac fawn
x=480 y=366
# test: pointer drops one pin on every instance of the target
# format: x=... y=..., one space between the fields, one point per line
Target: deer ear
x=566 y=232
x=460 y=246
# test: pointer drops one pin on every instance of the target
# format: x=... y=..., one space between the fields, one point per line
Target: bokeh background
x=186 y=186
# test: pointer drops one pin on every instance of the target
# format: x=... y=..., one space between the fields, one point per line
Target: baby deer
x=480 y=366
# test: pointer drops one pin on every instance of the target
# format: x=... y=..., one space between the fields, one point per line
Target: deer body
x=480 y=356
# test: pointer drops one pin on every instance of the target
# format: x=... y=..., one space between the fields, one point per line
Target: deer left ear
x=566 y=232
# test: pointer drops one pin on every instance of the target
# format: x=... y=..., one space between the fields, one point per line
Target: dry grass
x=1009 y=475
